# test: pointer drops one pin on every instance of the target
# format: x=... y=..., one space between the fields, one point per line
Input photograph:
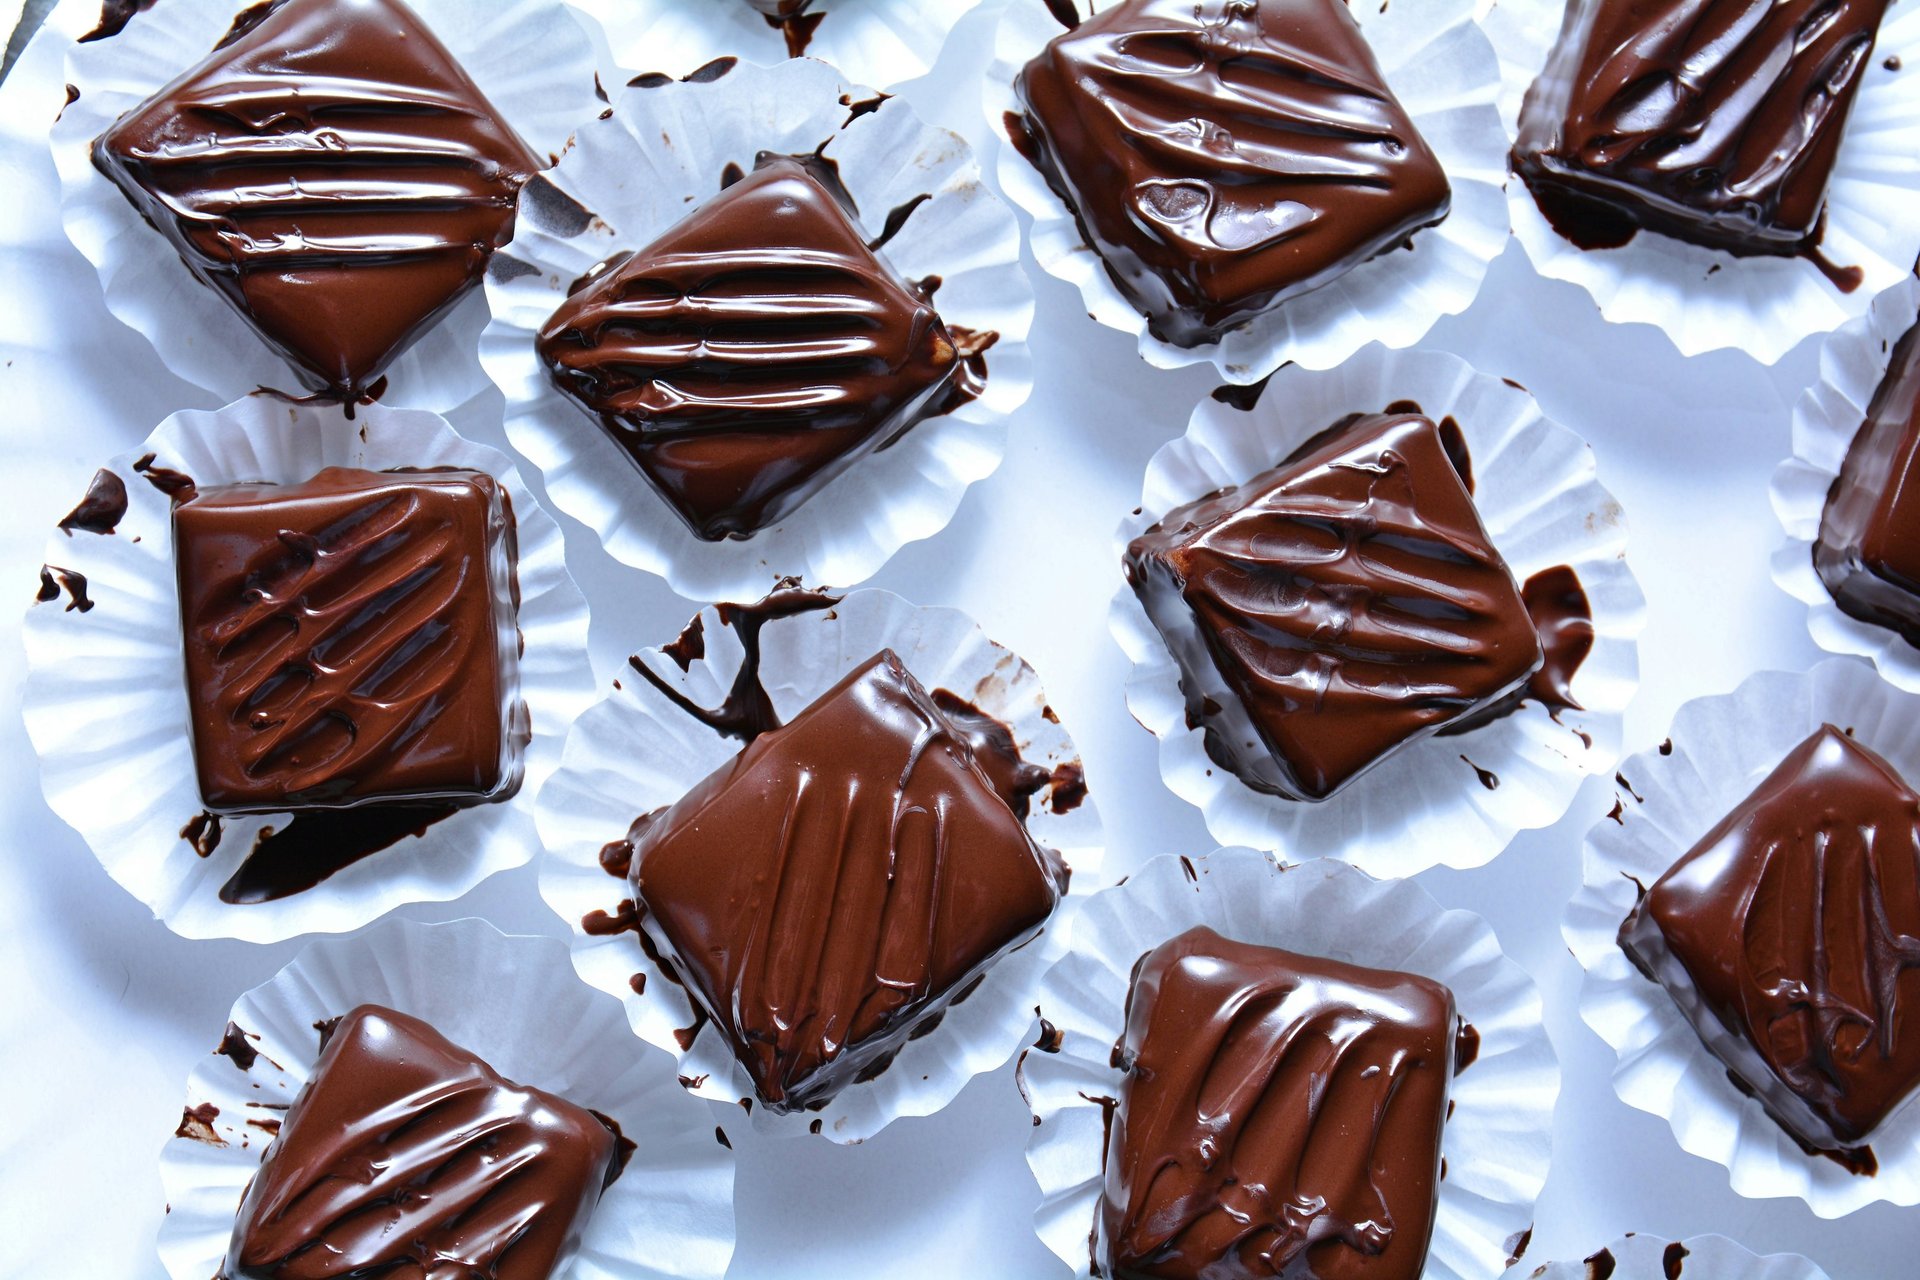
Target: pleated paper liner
x=1722 y=747
x=1442 y=68
x=1637 y=1257
x=1706 y=299
x=535 y=60
x=1498 y=1137
x=514 y=1002
x=106 y=695
x=637 y=172
x=635 y=752
x=1825 y=421
x=881 y=42
x=1447 y=800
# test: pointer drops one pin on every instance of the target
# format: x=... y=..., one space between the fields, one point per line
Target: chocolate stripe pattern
x=407 y=1156
x=1281 y=1116
x=834 y=888
x=332 y=173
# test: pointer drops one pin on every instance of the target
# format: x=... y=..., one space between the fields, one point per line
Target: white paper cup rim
x=1443 y=69
x=634 y=752
x=636 y=172
x=1722 y=746
x=1538 y=492
x=106 y=706
x=514 y=1002
x=1499 y=1135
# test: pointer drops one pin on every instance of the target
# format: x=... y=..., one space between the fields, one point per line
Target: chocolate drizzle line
x=103 y=507
x=747 y=711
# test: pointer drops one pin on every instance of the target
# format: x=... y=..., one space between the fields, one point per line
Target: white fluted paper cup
x=1637 y=1257
x=1721 y=749
x=535 y=60
x=1442 y=68
x=882 y=42
x=106 y=697
x=1499 y=1133
x=1446 y=800
x=636 y=172
x=635 y=752
x=1825 y=421
x=1706 y=299
x=515 y=1002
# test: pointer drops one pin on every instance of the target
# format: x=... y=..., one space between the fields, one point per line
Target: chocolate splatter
x=54 y=579
x=320 y=842
x=237 y=1048
x=103 y=507
x=197 y=1123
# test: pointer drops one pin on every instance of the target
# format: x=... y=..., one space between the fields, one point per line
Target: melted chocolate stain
x=177 y=485
x=1051 y=1037
x=237 y=1048
x=1672 y=1259
x=1488 y=778
x=103 y=507
x=1600 y=1266
x=864 y=106
x=691 y=645
x=709 y=72
x=203 y=833
x=114 y=17
x=1065 y=12
x=748 y=710
x=1563 y=617
x=896 y=219
x=319 y=842
x=54 y=580
x=1069 y=782
x=197 y=1123
x=994 y=751
x=798 y=30
x=616 y=858
x=1517 y=1246
x=1243 y=398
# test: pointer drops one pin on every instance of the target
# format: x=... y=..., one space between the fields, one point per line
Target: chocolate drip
x=1673 y=1259
x=237 y=1047
x=995 y=751
x=1563 y=618
x=319 y=842
x=103 y=507
x=1716 y=122
x=54 y=580
x=114 y=17
x=748 y=710
x=177 y=485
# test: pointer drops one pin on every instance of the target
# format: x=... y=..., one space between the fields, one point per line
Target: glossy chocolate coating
x=408 y=1158
x=1335 y=608
x=1714 y=121
x=1790 y=938
x=840 y=882
x=1223 y=156
x=1868 y=551
x=753 y=352
x=350 y=639
x=333 y=174
x=1280 y=1117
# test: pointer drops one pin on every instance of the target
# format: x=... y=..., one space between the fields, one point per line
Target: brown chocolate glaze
x=317 y=843
x=350 y=639
x=1563 y=618
x=748 y=710
x=333 y=174
x=1335 y=608
x=753 y=352
x=54 y=580
x=1222 y=157
x=1868 y=550
x=1789 y=936
x=995 y=751
x=838 y=883
x=102 y=508
x=1714 y=121
x=407 y=1155
x=114 y=17
x=1280 y=1116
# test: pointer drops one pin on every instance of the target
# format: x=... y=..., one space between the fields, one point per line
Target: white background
x=103 y=1012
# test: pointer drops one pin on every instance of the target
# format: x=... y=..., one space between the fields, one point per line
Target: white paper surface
x=106 y=696
x=661 y=152
x=1498 y=1134
x=1705 y=299
x=1539 y=495
x=515 y=1003
x=1853 y=360
x=635 y=752
x=1700 y=1258
x=1722 y=747
x=1441 y=67
x=535 y=61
